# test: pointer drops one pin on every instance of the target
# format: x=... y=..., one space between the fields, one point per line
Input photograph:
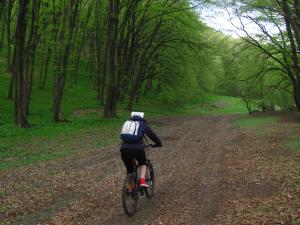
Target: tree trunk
x=103 y=81
x=81 y=46
x=297 y=95
x=30 y=84
x=133 y=95
x=31 y=46
x=8 y=33
x=20 y=82
x=297 y=101
x=148 y=85
x=63 y=57
x=99 y=57
x=112 y=92
x=8 y=57
x=2 y=36
x=44 y=72
x=12 y=79
x=60 y=83
x=110 y=109
x=159 y=84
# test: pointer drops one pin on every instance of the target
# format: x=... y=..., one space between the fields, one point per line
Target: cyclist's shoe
x=143 y=183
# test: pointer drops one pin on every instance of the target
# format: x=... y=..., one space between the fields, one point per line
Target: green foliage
x=179 y=72
x=276 y=40
x=247 y=74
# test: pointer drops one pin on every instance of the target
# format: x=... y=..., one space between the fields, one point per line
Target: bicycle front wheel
x=150 y=180
x=129 y=195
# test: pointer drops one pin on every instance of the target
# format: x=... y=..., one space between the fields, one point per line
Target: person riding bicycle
x=132 y=146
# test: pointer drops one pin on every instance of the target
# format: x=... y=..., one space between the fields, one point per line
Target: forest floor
x=210 y=171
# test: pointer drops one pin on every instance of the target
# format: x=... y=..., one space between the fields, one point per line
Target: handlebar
x=147 y=145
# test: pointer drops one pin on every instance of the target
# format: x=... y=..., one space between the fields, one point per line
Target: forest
x=126 y=47
x=130 y=48
x=218 y=81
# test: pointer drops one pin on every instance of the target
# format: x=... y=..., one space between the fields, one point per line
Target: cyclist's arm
x=152 y=135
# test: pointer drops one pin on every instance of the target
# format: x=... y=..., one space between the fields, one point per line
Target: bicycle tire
x=129 y=198
x=150 y=180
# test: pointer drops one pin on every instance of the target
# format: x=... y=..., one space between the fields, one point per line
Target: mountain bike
x=132 y=190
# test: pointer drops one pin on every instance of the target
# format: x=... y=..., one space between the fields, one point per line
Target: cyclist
x=132 y=146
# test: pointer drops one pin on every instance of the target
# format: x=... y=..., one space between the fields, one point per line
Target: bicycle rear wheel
x=150 y=180
x=129 y=195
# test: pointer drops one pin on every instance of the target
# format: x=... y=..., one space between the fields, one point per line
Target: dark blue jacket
x=147 y=131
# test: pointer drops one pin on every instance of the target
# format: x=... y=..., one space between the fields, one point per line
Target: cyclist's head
x=139 y=114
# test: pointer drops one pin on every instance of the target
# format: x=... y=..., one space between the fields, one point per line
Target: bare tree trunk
x=91 y=59
x=159 y=85
x=98 y=50
x=148 y=85
x=8 y=33
x=30 y=84
x=63 y=57
x=102 y=83
x=110 y=109
x=31 y=46
x=134 y=89
x=59 y=84
x=13 y=77
x=44 y=72
x=2 y=16
x=297 y=95
x=20 y=82
x=81 y=46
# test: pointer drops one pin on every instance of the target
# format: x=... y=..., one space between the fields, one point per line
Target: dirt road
x=208 y=172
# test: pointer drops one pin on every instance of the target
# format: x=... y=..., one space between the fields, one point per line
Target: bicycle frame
x=132 y=190
x=135 y=174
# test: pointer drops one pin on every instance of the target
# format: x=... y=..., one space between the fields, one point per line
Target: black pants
x=129 y=154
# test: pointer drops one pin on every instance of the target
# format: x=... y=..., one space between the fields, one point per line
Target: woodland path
x=208 y=172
